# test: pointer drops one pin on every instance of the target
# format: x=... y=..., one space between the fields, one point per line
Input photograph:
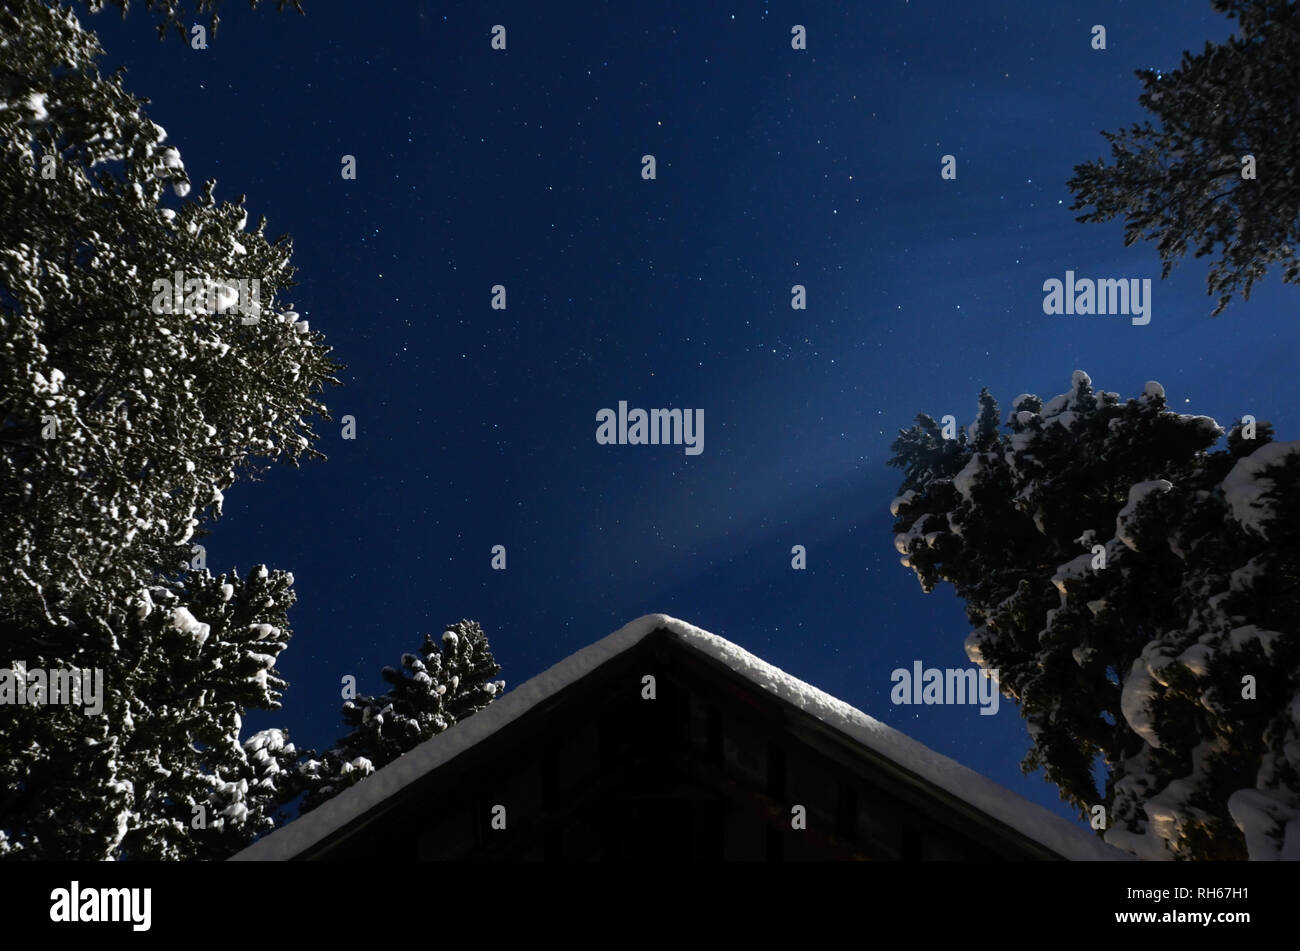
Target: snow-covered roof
x=1057 y=834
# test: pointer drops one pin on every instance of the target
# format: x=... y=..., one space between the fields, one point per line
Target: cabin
x=665 y=742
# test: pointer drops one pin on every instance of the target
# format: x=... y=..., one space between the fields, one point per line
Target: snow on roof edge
x=994 y=800
x=297 y=836
x=1000 y=803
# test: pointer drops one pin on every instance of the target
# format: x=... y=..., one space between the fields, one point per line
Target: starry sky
x=775 y=167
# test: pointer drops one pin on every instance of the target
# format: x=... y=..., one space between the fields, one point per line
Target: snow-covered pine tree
x=120 y=427
x=1139 y=596
x=450 y=679
x=1214 y=170
x=180 y=15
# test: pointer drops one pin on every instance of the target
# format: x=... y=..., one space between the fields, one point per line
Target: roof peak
x=1030 y=819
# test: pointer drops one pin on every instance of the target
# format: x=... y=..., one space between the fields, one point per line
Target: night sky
x=476 y=427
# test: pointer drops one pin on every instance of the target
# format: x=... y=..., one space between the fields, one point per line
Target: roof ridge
x=990 y=798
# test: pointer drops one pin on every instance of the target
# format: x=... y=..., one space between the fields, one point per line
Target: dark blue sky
x=476 y=427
